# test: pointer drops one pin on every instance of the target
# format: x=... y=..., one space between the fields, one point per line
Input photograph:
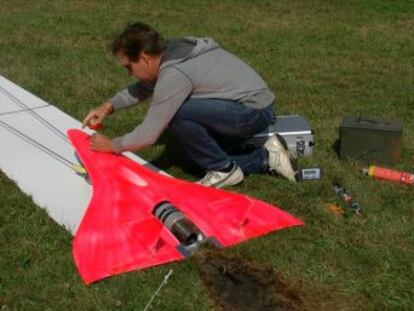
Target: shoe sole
x=282 y=145
x=293 y=160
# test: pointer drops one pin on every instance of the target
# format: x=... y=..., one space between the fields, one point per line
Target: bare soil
x=237 y=284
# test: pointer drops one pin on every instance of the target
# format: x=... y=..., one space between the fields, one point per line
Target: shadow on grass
x=336 y=147
x=174 y=155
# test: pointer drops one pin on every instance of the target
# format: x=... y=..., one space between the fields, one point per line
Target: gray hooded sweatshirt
x=189 y=68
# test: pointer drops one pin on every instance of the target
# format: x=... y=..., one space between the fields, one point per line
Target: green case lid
x=373 y=123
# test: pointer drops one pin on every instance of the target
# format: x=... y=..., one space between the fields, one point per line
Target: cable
x=163 y=283
x=79 y=169
x=35 y=115
x=22 y=110
x=38 y=145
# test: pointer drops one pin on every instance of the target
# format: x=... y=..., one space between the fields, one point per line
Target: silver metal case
x=296 y=132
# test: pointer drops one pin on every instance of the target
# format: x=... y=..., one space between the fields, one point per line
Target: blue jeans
x=212 y=131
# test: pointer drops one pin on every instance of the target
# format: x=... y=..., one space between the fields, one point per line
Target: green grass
x=324 y=59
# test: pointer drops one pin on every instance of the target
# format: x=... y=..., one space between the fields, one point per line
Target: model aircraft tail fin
x=148 y=233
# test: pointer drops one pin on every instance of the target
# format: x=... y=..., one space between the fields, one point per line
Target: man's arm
x=132 y=95
x=172 y=89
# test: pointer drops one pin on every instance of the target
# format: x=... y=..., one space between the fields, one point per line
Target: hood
x=181 y=49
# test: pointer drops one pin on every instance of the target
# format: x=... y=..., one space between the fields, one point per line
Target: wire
x=78 y=168
x=163 y=283
x=22 y=110
x=38 y=145
x=42 y=120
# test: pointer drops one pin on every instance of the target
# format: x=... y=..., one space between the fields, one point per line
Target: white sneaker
x=219 y=179
x=280 y=161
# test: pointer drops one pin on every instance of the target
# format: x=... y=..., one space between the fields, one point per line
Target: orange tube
x=391 y=175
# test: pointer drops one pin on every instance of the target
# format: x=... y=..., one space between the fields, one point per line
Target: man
x=209 y=99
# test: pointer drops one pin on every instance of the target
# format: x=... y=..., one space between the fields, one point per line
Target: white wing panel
x=52 y=185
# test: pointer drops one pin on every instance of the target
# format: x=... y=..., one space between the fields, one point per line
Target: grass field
x=324 y=59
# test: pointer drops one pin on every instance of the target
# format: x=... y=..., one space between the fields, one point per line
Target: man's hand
x=101 y=143
x=96 y=115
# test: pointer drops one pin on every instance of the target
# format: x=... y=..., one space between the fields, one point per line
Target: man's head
x=139 y=48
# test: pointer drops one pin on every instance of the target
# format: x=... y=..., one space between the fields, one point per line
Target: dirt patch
x=236 y=284
x=242 y=286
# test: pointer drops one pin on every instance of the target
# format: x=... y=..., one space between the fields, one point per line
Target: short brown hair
x=137 y=38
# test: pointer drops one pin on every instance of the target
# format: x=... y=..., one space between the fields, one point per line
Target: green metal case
x=371 y=139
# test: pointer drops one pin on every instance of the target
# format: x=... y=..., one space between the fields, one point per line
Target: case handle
x=363 y=119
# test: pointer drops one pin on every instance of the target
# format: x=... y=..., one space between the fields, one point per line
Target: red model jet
x=139 y=218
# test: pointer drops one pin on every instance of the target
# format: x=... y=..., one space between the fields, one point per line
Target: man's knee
x=180 y=126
